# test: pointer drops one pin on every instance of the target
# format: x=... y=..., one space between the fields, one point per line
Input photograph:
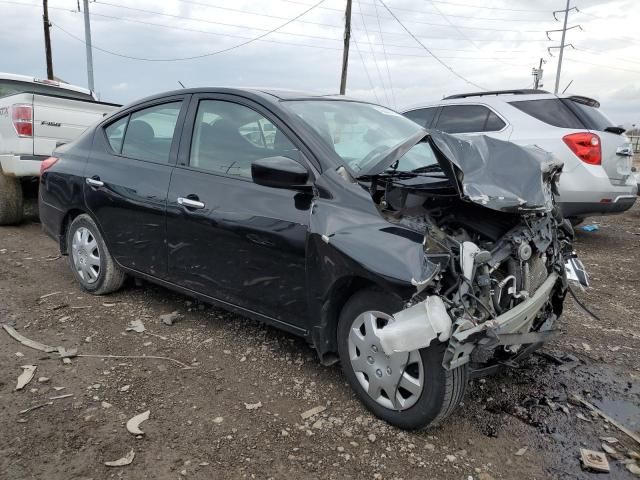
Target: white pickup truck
x=35 y=117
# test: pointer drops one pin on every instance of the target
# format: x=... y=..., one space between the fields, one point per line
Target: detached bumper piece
x=512 y=328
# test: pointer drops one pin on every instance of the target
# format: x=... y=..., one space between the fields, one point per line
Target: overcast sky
x=491 y=48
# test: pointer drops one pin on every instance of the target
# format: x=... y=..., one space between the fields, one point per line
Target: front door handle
x=190 y=203
x=94 y=182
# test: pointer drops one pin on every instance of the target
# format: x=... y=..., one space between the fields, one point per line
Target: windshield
x=361 y=133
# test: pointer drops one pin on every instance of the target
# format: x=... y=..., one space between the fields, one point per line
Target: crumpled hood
x=501 y=175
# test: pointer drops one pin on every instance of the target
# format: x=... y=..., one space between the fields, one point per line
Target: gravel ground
x=236 y=412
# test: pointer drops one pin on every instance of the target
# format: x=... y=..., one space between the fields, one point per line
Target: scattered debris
x=313 y=411
x=124 y=461
x=43 y=379
x=620 y=427
x=133 y=425
x=136 y=326
x=609 y=449
x=19 y=354
x=49 y=295
x=141 y=357
x=58 y=397
x=634 y=468
x=593 y=460
x=67 y=353
x=28 y=371
x=522 y=451
x=109 y=304
x=57 y=389
x=28 y=342
x=253 y=406
x=125 y=388
x=106 y=405
x=587 y=347
x=35 y=407
x=582 y=417
x=169 y=318
x=591 y=228
x=218 y=420
x=611 y=440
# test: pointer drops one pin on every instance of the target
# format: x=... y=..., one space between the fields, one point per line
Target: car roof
x=498 y=97
x=53 y=83
x=270 y=94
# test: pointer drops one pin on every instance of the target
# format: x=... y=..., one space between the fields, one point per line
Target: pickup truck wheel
x=408 y=390
x=11 y=202
x=89 y=258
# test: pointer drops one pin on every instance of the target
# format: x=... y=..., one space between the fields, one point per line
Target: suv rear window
x=551 y=111
x=593 y=118
x=12 y=87
x=468 y=119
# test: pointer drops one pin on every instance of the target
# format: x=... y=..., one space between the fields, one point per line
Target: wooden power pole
x=345 y=51
x=47 y=38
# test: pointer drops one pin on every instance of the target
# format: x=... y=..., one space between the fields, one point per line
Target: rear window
x=12 y=87
x=593 y=118
x=468 y=119
x=551 y=111
x=423 y=116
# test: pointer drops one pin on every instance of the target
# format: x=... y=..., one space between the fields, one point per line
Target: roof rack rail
x=522 y=91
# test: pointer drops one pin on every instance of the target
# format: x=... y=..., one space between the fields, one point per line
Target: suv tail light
x=22 y=118
x=47 y=164
x=586 y=146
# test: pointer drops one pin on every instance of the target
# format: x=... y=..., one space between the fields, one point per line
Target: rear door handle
x=94 y=182
x=190 y=203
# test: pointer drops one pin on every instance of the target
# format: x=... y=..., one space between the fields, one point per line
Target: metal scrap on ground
x=593 y=460
x=28 y=342
x=613 y=422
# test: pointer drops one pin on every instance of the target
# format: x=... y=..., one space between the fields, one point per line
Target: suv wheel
x=11 y=203
x=90 y=260
x=409 y=390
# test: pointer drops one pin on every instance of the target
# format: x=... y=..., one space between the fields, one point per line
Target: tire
x=441 y=391
x=89 y=258
x=11 y=201
x=575 y=221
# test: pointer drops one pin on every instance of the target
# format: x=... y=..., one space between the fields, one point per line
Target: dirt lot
x=201 y=424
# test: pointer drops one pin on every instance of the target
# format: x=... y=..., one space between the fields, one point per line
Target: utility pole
x=87 y=41
x=537 y=75
x=47 y=38
x=562 y=41
x=345 y=51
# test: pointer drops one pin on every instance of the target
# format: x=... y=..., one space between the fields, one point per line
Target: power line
x=386 y=59
x=210 y=54
x=601 y=65
x=429 y=51
x=373 y=55
x=366 y=70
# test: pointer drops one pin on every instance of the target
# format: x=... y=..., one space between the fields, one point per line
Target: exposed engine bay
x=493 y=279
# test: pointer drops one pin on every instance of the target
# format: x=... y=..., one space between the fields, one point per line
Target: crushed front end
x=493 y=277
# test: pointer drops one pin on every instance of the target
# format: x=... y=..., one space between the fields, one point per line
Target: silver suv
x=597 y=177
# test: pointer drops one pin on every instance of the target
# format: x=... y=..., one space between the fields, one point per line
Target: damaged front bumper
x=417 y=326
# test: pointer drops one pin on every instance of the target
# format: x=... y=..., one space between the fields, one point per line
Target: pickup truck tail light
x=47 y=164
x=586 y=146
x=22 y=118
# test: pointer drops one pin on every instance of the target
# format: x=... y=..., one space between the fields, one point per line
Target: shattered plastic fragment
x=313 y=411
x=133 y=425
x=121 y=462
x=594 y=460
x=136 y=326
x=28 y=371
x=253 y=406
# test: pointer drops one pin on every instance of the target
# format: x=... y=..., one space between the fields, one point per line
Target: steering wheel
x=373 y=154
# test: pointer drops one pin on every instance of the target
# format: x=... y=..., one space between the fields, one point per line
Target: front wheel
x=408 y=390
x=90 y=260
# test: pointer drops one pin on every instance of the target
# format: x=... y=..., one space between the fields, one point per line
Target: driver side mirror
x=278 y=172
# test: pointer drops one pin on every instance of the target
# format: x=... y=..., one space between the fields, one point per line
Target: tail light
x=47 y=164
x=22 y=118
x=586 y=146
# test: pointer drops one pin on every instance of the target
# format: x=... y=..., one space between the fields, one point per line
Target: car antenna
x=181 y=84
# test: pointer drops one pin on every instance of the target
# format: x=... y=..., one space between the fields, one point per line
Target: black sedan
x=412 y=257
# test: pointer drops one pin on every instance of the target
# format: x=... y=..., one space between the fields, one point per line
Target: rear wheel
x=90 y=260
x=575 y=221
x=409 y=390
x=11 y=202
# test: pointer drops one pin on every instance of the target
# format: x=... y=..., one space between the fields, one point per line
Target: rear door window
x=593 y=118
x=115 y=133
x=550 y=111
x=468 y=119
x=150 y=132
x=422 y=116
